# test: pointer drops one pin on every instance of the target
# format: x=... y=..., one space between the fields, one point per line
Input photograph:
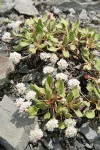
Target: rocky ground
x=88 y=12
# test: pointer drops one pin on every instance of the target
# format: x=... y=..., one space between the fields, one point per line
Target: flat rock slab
x=14 y=129
x=6 y=67
x=25 y=7
x=89 y=133
x=6 y=6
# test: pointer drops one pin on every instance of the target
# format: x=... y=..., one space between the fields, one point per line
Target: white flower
x=45 y=29
x=44 y=56
x=15 y=57
x=51 y=16
x=48 y=69
x=63 y=100
x=99 y=129
x=19 y=102
x=61 y=76
x=15 y=25
x=52 y=124
x=62 y=64
x=95 y=52
x=73 y=82
x=21 y=88
x=36 y=135
x=24 y=106
x=6 y=37
x=98 y=81
x=70 y=132
x=70 y=122
x=30 y=95
x=53 y=58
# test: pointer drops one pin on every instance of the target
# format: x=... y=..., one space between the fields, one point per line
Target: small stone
x=56 y=10
x=83 y=15
x=6 y=67
x=95 y=20
x=89 y=133
x=25 y=7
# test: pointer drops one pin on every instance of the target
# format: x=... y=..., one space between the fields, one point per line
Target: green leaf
x=65 y=53
x=97 y=63
x=32 y=50
x=69 y=97
x=71 y=36
x=85 y=53
x=65 y=41
x=75 y=92
x=62 y=125
x=47 y=115
x=32 y=111
x=41 y=105
x=61 y=109
x=86 y=103
x=45 y=17
x=48 y=90
x=75 y=25
x=52 y=49
x=90 y=114
x=38 y=90
x=55 y=40
x=68 y=115
x=89 y=87
x=98 y=106
x=72 y=47
x=78 y=113
x=64 y=22
x=60 y=88
x=87 y=67
x=50 y=80
x=24 y=44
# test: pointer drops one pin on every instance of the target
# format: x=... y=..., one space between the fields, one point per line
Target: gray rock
x=88 y=133
x=56 y=10
x=25 y=7
x=83 y=15
x=6 y=6
x=14 y=129
x=51 y=144
x=6 y=67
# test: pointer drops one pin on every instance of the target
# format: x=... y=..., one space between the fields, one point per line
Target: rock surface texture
x=6 y=66
x=14 y=129
x=25 y=7
x=6 y=6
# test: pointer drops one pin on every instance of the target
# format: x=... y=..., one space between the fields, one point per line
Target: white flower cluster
x=48 y=69
x=36 y=135
x=30 y=95
x=6 y=37
x=70 y=122
x=21 y=88
x=71 y=131
x=15 y=57
x=52 y=124
x=52 y=57
x=22 y=104
x=15 y=25
x=62 y=64
x=99 y=129
x=45 y=56
x=73 y=82
x=61 y=76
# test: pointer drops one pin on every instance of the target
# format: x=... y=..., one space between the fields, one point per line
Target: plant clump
x=68 y=52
